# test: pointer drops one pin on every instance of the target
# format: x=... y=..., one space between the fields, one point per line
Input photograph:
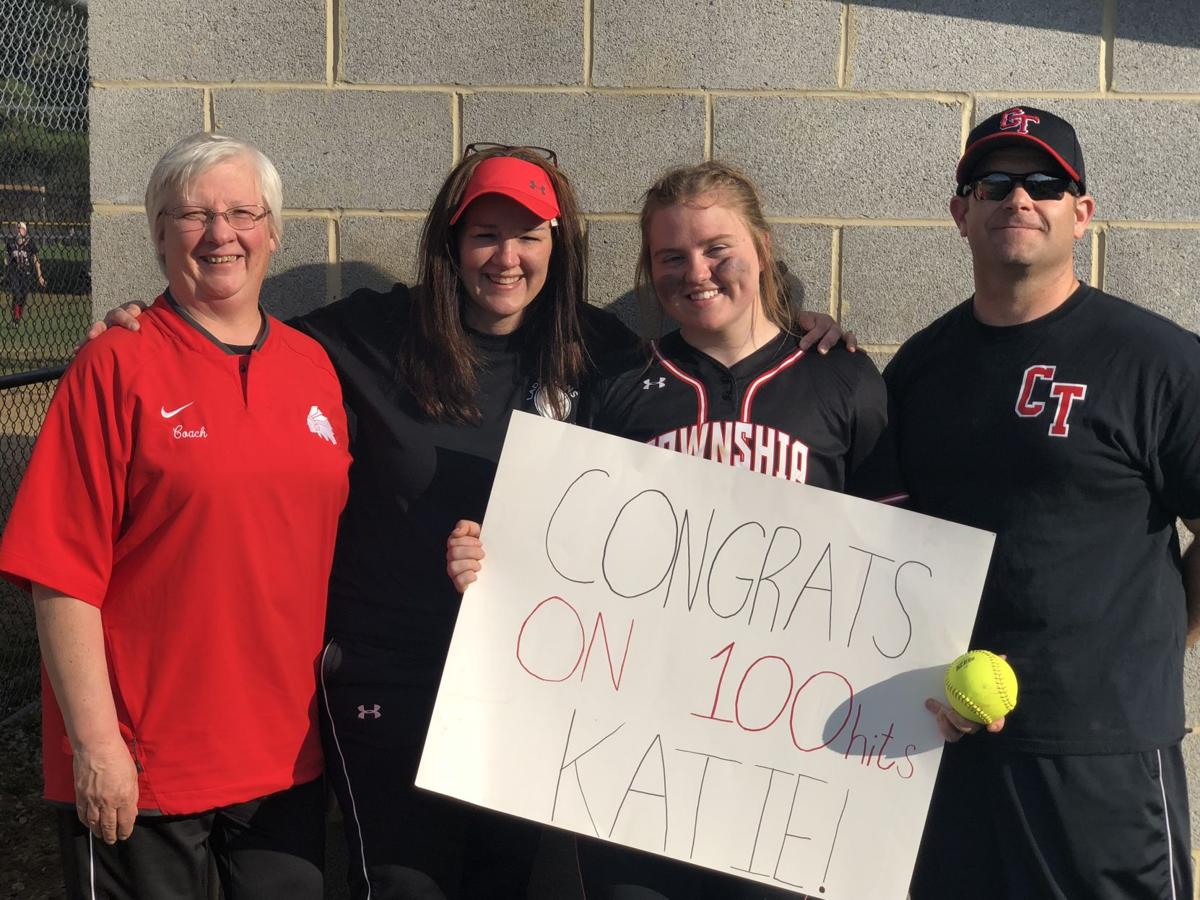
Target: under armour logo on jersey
x=320 y=425
x=647 y=383
x=372 y=711
x=1065 y=394
x=1017 y=120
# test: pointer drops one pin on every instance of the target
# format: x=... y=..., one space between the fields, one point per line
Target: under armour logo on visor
x=1016 y=119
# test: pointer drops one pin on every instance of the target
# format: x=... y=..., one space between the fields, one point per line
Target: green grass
x=50 y=327
x=62 y=251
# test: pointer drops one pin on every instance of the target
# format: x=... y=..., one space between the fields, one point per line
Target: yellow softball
x=981 y=686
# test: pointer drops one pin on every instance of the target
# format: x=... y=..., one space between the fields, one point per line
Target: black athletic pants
x=612 y=872
x=403 y=843
x=271 y=847
x=19 y=288
x=1017 y=826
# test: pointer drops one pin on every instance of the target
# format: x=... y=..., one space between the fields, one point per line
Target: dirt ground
x=28 y=847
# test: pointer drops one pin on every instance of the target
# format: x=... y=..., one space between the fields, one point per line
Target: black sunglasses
x=1038 y=185
x=484 y=147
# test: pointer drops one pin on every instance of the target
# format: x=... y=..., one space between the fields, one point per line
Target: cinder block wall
x=849 y=115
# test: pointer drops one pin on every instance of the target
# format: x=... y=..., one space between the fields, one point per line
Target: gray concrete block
x=901 y=45
x=700 y=44
x=296 y=280
x=377 y=251
x=834 y=157
x=612 y=147
x=1191 y=758
x=357 y=149
x=612 y=252
x=123 y=262
x=130 y=129
x=1157 y=269
x=897 y=280
x=1157 y=47
x=169 y=40
x=1138 y=154
x=463 y=42
x=806 y=251
x=1191 y=690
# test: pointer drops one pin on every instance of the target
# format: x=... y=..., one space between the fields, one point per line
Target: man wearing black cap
x=1067 y=421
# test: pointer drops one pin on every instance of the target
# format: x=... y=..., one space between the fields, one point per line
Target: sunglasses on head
x=503 y=149
x=1038 y=185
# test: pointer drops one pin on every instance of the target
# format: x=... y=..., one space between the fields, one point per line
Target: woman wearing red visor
x=431 y=375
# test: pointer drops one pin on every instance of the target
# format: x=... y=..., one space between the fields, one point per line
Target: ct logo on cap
x=1016 y=119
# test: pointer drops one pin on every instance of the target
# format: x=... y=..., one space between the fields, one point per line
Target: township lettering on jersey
x=742 y=443
x=759 y=448
x=781 y=412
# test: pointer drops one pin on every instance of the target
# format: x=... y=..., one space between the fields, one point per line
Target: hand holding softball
x=981 y=688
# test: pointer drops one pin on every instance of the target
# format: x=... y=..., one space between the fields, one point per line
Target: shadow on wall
x=302 y=289
x=1165 y=23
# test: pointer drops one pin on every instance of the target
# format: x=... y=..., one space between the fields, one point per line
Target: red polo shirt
x=192 y=494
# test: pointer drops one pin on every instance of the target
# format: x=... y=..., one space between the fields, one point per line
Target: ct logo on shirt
x=1065 y=395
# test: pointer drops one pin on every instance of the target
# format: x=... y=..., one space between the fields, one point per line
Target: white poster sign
x=699 y=661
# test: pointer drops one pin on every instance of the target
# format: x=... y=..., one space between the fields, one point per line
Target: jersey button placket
x=244 y=376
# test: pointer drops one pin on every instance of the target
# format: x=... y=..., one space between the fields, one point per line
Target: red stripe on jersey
x=701 y=394
x=763 y=379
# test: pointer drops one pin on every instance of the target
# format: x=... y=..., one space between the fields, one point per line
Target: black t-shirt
x=19 y=255
x=1076 y=438
x=413 y=478
x=805 y=417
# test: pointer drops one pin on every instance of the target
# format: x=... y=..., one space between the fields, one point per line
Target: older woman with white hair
x=176 y=527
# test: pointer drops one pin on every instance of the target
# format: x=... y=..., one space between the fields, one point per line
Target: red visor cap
x=515 y=178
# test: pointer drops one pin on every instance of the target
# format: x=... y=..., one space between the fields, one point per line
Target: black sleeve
x=606 y=400
x=1174 y=463
x=610 y=344
x=331 y=322
x=873 y=468
x=605 y=335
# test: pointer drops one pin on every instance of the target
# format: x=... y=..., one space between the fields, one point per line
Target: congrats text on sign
x=703 y=662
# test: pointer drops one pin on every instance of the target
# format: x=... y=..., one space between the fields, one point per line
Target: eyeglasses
x=1038 y=185
x=198 y=218
x=484 y=147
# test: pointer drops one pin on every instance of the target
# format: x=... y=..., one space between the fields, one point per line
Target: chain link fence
x=45 y=284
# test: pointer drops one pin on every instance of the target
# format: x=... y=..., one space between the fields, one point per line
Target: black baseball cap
x=1020 y=125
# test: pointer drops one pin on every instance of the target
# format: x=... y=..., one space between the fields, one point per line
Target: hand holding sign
x=464 y=554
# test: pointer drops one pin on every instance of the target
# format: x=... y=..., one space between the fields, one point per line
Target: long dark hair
x=437 y=360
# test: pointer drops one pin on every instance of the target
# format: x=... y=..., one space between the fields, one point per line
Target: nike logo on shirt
x=174 y=412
